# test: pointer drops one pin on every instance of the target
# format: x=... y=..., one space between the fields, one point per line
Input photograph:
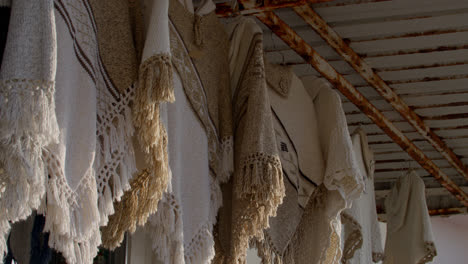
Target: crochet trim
x=353 y=240
x=431 y=252
x=376 y=257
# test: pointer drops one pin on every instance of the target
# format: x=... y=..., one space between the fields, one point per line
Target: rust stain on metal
x=290 y=37
x=250 y=7
x=366 y=72
x=447 y=117
x=429 y=79
x=412 y=35
x=424 y=66
x=450 y=128
x=413 y=51
x=447 y=211
x=453 y=104
x=432 y=212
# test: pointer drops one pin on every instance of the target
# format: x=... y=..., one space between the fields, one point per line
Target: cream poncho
x=321 y=174
x=199 y=131
x=409 y=231
x=257 y=186
x=361 y=234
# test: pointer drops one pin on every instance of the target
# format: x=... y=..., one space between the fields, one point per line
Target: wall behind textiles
x=451 y=239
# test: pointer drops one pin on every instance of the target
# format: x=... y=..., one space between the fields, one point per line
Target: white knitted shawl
x=67 y=148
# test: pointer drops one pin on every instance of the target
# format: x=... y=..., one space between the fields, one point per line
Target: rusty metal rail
x=290 y=37
x=355 y=61
x=249 y=7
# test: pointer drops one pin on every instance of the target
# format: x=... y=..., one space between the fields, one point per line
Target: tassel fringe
x=166 y=231
x=155 y=86
x=260 y=184
x=27 y=124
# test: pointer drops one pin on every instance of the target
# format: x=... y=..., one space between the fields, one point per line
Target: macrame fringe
x=27 y=124
x=353 y=240
x=115 y=162
x=155 y=85
x=72 y=218
x=260 y=184
x=166 y=231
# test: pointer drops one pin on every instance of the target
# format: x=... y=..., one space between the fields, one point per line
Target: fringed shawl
x=154 y=87
x=409 y=231
x=27 y=115
x=194 y=46
x=362 y=238
x=257 y=186
x=85 y=140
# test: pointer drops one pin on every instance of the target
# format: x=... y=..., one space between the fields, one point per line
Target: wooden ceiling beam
x=249 y=7
x=365 y=70
x=302 y=48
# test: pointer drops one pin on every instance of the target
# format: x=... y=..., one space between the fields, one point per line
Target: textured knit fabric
x=361 y=234
x=409 y=231
x=257 y=187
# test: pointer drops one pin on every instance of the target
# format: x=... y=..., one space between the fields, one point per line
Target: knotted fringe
x=260 y=184
x=27 y=124
x=72 y=217
x=353 y=240
x=166 y=231
x=155 y=85
x=115 y=160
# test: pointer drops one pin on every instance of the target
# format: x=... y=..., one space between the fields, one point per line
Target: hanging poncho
x=361 y=233
x=199 y=132
x=76 y=135
x=321 y=175
x=409 y=231
x=257 y=186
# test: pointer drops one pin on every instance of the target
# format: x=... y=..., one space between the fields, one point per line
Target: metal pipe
x=354 y=60
x=249 y=7
x=290 y=37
